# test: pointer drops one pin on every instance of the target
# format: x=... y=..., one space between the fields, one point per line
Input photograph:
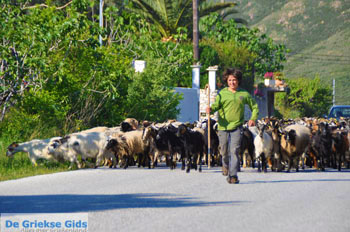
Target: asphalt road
x=163 y=200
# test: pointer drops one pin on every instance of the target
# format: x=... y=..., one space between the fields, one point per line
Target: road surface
x=138 y=199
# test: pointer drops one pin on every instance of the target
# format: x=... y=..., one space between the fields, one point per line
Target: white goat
x=36 y=149
x=94 y=129
x=88 y=145
x=263 y=146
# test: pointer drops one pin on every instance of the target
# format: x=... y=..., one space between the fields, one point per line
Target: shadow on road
x=308 y=170
x=295 y=181
x=82 y=203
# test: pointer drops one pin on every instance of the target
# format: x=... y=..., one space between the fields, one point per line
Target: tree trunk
x=195 y=32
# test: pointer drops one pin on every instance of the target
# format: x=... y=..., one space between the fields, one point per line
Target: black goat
x=247 y=143
x=276 y=133
x=194 y=146
x=125 y=127
x=339 y=147
x=166 y=141
x=129 y=124
x=321 y=144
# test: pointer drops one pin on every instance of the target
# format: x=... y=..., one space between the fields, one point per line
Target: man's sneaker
x=224 y=171
x=232 y=180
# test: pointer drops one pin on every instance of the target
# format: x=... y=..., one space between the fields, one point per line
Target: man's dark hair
x=234 y=72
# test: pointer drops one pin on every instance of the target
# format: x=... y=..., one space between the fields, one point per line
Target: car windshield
x=340 y=112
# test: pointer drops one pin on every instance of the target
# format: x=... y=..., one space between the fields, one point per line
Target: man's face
x=232 y=82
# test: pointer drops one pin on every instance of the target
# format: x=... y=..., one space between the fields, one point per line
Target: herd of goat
x=274 y=143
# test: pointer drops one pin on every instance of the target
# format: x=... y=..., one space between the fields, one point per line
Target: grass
x=19 y=165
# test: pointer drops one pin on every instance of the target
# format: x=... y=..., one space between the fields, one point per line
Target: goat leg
x=259 y=164
x=183 y=164
x=339 y=161
x=296 y=166
x=263 y=162
x=115 y=160
x=290 y=163
x=171 y=161
x=126 y=162
x=188 y=164
x=200 y=162
x=322 y=164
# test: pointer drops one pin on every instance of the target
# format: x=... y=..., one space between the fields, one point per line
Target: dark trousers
x=230 y=142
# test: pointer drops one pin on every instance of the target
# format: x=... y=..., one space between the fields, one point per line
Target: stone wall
x=203 y=103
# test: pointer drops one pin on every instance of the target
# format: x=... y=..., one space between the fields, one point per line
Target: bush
x=151 y=95
x=21 y=126
x=307 y=98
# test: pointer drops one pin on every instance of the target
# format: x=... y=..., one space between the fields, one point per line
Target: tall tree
x=169 y=15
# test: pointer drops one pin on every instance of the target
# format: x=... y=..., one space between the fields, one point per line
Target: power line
x=322 y=55
x=320 y=59
x=324 y=61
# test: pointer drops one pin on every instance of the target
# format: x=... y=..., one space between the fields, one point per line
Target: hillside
x=316 y=32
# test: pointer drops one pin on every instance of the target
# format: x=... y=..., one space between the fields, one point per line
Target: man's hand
x=208 y=110
x=251 y=123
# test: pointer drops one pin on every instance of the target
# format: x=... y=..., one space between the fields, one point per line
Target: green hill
x=316 y=31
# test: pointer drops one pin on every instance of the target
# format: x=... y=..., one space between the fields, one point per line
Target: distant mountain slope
x=316 y=31
x=329 y=59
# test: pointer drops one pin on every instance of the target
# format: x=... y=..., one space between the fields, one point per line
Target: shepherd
x=230 y=103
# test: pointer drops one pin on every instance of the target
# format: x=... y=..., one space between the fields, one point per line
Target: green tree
x=151 y=98
x=31 y=36
x=64 y=79
x=307 y=98
x=130 y=33
x=40 y=43
x=169 y=15
x=230 y=54
x=266 y=55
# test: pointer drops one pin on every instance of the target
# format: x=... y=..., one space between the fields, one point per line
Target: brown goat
x=294 y=143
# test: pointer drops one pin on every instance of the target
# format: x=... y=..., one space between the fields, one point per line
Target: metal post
x=334 y=92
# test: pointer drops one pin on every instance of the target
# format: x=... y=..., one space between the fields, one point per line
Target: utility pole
x=334 y=92
x=195 y=31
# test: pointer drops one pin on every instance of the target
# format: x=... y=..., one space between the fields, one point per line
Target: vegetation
x=249 y=49
x=56 y=78
x=20 y=166
x=316 y=32
x=306 y=98
x=66 y=80
x=168 y=16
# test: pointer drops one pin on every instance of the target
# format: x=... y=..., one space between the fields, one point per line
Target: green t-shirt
x=231 y=108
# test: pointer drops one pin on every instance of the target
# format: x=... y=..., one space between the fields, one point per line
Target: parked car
x=339 y=111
